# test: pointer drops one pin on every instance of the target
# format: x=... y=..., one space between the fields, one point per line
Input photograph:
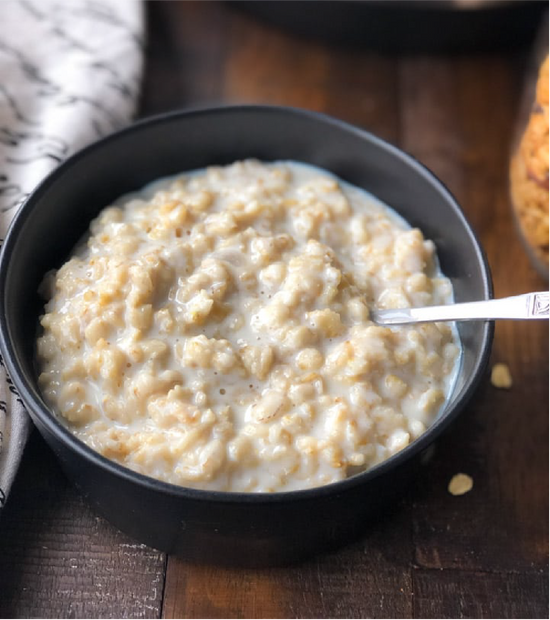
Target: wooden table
x=480 y=555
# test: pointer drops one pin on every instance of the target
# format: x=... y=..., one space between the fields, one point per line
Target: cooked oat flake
x=460 y=484
x=501 y=377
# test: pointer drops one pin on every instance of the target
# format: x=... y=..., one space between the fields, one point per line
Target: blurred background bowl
x=407 y=25
x=234 y=528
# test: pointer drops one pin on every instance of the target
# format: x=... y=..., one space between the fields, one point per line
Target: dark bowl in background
x=411 y=26
x=234 y=528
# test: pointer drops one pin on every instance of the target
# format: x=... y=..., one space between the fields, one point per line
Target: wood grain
x=476 y=105
x=368 y=579
x=457 y=594
x=59 y=560
x=264 y=65
x=184 y=62
x=481 y=555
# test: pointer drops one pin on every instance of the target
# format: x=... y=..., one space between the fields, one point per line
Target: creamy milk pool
x=213 y=331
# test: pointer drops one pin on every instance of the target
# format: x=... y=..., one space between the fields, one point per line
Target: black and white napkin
x=70 y=72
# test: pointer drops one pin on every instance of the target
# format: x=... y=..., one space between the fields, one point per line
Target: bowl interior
x=59 y=211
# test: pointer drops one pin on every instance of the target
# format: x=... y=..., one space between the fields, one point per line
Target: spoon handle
x=528 y=306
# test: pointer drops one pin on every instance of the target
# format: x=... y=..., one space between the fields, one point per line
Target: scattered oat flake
x=501 y=377
x=460 y=484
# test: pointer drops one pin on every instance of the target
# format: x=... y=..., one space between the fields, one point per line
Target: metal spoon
x=528 y=306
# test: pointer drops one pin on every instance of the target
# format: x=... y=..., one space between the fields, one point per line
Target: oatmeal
x=213 y=331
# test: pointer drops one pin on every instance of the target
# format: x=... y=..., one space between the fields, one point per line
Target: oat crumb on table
x=460 y=484
x=501 y=377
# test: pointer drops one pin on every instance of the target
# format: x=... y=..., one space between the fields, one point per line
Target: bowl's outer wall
x=236 y=534
x=59 y=212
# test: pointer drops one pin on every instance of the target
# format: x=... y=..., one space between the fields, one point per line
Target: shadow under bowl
x=219 y=527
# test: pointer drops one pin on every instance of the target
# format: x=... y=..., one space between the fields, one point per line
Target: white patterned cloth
x=70 y=72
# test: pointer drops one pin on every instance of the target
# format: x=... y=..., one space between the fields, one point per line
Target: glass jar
x=529 y=160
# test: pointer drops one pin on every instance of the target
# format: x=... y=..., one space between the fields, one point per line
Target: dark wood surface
x=482 y=555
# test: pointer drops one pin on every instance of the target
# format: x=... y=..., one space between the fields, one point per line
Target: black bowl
x=210 y=526
x=407 y=26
